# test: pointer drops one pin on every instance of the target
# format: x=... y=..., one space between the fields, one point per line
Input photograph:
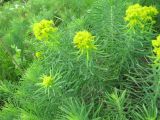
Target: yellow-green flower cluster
x=156 y=46
x=139 y=15
x=84 y=41
x=43 y=29
x=47 y=81
x=38 y=54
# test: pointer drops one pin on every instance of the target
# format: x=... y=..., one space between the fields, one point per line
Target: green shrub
x=113 y=76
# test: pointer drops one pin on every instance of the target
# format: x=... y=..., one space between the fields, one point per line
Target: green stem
x=87 y=55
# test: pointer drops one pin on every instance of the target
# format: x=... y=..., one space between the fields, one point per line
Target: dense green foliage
x=117 y=81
